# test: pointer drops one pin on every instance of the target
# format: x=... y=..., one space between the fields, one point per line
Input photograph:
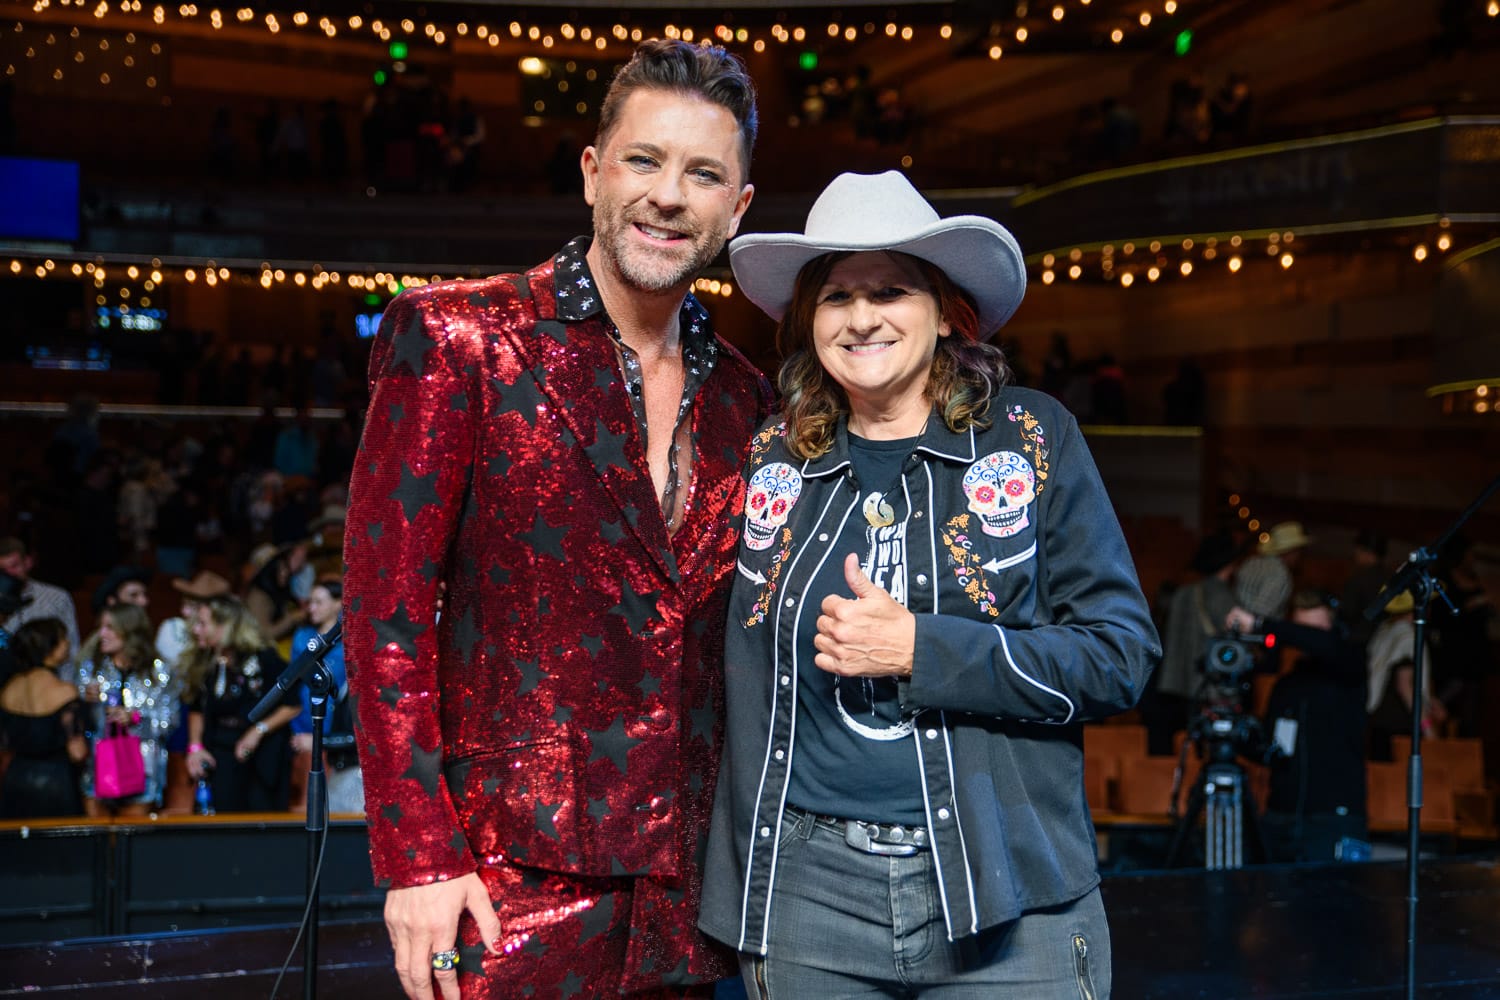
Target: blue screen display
x=38 y=199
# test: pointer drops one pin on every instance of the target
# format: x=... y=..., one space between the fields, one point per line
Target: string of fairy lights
x=1028 y=21
x=118 y=281
x=1152 y=260
x=121 y=282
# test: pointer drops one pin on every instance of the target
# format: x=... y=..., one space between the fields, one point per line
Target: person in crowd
x=37 y=599
x=1388 y=659
x=1366 y=579
x=271 y=594
x=41 y=719
x=129 y=689
x=1316 y=719
x=1193 y=620
x=932 y=595
x=230 y=668
x=346 y=786
x=542 y=755
x=1263 y=583
x=1463 y=657
x=174 y=637
x=122 y=585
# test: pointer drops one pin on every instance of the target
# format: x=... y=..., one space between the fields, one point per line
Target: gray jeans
x=849 y=924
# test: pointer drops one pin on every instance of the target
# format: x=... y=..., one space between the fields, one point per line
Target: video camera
x=1222 y=727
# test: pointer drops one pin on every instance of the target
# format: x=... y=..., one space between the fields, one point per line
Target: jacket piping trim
x=766 y=763
x=963 y=845
x=1072 y=709
x=953 y=455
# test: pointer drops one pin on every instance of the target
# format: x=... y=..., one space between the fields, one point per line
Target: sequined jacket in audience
x=155 y=694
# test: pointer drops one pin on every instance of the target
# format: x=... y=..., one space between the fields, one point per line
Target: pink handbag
x=119 y=768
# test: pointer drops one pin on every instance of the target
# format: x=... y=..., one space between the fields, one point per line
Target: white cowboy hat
x=859 y=212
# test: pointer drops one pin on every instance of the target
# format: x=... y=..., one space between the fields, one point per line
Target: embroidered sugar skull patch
x=1000 y=487
x=769 y=499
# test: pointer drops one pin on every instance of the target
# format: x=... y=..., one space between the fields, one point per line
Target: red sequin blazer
x=563 y=712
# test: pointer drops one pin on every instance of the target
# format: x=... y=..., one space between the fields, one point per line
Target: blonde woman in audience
x=129 y=689
x=229 y=669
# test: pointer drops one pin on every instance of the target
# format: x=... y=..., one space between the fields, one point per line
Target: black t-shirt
x=1324 y=696
x=853 y=754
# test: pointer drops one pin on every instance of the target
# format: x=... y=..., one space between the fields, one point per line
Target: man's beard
x=640 y=267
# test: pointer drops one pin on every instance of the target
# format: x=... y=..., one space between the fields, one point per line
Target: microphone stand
x=1416 y=576
x=308 y=667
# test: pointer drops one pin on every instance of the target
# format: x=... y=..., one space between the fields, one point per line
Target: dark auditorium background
x=1263 y=242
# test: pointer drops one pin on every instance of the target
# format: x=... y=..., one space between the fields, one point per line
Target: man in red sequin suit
x=557 y=454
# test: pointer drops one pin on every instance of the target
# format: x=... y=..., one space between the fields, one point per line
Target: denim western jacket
x=1030 y=621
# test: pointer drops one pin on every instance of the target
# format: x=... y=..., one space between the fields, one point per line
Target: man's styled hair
x=705 y=71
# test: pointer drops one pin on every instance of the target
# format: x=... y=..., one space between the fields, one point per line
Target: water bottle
x=203 y=798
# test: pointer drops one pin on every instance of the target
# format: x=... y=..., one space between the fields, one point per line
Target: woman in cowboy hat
x=932 y=594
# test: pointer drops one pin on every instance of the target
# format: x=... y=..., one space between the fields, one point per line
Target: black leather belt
x=887 y=839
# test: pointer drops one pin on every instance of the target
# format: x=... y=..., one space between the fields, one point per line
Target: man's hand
x=1241 y=621
x=423 y=919
x=870 y=636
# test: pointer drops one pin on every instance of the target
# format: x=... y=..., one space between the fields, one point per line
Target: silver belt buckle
x=857 y=836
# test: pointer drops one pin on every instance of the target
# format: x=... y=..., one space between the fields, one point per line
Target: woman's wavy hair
x=965 y=377
x=242 y=637
x=134 y=627
x=30 y=646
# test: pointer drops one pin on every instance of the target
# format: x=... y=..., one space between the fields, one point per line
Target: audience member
x=1193 y=619
x=40 y=600
x=123 y=585
x=128 y=690
x=1316 y=719
x=1462 y=655
x=1363 y=586
x=1389 y=661
x=229 y=669
x=41 y=719
x=174 y=637
x=346 y=786
x=269 y=593
x=1263 y=584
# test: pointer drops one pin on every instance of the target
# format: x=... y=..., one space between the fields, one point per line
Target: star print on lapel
x=636 y=609
x=499 y=464
x=398 y=629
x=392 y=813
x=415 y=492
x=611 y=744
x=411 y=345
x=424 y=767
x=543 y=538
x=554 y=329
x=609 y=448
x=520 y=397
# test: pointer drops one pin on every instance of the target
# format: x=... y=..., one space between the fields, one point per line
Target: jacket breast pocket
x=521 y=804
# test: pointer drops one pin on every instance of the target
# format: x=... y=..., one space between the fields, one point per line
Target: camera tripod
x=1221 y=796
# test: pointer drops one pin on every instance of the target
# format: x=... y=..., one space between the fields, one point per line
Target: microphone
x=311 y=656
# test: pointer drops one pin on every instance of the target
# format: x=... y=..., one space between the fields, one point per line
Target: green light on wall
x=380 y=78
x=808 y=61
x=398 y=50
x=372 y=299
x=1184 y=42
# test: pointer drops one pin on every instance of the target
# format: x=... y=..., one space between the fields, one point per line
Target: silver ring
x=445 y=961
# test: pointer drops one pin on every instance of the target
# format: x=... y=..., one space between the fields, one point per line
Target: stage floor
x=1269 y=933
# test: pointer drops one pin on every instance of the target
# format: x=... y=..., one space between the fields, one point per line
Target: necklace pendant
x=877 y=512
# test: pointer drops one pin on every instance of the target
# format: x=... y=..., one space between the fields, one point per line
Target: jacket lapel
x=576 y=368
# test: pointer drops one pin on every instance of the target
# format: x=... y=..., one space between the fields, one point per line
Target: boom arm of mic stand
x=312 y=655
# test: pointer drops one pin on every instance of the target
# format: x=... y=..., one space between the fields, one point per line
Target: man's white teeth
x=659 y=234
